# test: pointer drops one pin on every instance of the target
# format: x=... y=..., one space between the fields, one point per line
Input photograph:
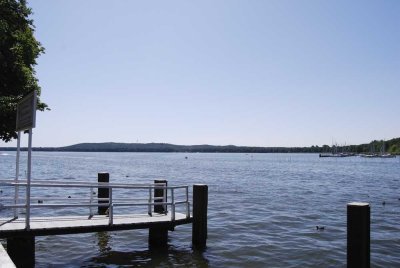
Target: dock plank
x=82 y=224
x=5 y=260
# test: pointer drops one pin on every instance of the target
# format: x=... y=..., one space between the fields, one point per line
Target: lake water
x=263 y=208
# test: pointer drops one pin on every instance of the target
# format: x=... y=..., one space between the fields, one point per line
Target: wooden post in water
x=103 y=192
x=21 y=251
x=358 y=235
x=158 y=236
x=160 y=193
x=199 y=226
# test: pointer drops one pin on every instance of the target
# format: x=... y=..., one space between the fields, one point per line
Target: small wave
x=4 y=154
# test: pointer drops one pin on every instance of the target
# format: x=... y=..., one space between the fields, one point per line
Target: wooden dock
x=41 y=226
x=161 y=216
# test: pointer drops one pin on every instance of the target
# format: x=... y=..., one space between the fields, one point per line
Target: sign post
x=26 y=120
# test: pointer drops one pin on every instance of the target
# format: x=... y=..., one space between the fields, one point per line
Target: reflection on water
x=162 y=257
x=103 y=238
x=153 y=256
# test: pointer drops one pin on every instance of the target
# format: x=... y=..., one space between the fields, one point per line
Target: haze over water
x=263 y=208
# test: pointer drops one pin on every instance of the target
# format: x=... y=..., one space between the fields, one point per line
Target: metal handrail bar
x=81 y=182
x=95 y=184
x=107 y=204
x=111 y=201
x=180 y=202
x=100 y=185
x=82 y=199
x=86 y=205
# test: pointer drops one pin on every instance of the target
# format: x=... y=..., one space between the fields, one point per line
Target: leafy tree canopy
x=18 y=52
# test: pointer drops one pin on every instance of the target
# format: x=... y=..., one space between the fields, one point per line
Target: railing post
x=158 y=237
x=161 y=192
x=187 y=202
x=28 y=183
x=110 y=208
x=91 y=201
x=199 y=226
x=150 y=201
x=17 y=175
x=172 y=205
x=358 y=235
x=102 y=192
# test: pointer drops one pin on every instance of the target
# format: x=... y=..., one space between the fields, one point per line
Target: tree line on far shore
x=391 y=146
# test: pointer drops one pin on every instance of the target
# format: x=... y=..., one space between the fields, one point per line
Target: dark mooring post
x=358 y=235
x=158 y=236
x=199 y=227
x=160 y=193
x=102 y=192
x=22 y=250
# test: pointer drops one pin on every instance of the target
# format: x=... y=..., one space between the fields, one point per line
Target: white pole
x=91 y=200
x=110 y=208
x=173 y=205
x=28 y=183
x=187 y=203
x=149 y=207
x=17 y=174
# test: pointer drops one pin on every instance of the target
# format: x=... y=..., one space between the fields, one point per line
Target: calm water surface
x=263 y=208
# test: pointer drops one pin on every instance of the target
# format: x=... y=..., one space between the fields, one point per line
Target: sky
x=255 y=73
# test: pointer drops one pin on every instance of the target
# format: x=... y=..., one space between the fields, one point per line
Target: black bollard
x=199 y=226
x=103 y=192
x=160 y=193
x=158 y=237
x=358 y=235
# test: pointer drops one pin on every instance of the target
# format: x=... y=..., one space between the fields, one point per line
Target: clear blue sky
x=260 y=73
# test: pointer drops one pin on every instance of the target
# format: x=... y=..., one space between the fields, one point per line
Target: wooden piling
x=160 y=193
x=199 y=227
x=158 y=237
x=102 y=192
x=358 y=235
x=22 y=250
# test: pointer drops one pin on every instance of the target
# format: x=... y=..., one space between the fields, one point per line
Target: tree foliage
x=18 y=53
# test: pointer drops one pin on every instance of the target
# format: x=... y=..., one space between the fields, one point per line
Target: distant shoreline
x=172 y=148
x=169 y=148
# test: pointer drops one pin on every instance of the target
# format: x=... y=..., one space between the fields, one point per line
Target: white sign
x=26 y=112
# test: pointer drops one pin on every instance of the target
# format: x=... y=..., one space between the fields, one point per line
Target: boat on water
x=337 y=155
x=377 y=155
x=387 y=156
x=335 y=152
x=381 y=154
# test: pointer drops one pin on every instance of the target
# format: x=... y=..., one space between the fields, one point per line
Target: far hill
x=391 y=146
x=166 y=147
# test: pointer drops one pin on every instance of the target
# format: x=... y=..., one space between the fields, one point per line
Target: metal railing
x=110 y=202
